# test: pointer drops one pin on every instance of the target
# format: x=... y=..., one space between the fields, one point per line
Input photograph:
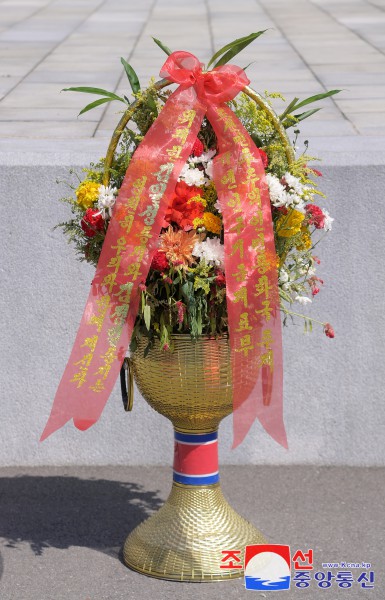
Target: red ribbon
x=132 y=238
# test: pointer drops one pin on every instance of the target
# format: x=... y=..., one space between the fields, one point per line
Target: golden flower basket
x=186 y=538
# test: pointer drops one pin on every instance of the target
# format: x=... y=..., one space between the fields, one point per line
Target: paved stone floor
x=309 y=46
x=61 y=529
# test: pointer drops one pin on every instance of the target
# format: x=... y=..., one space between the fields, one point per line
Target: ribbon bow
x=131 y=241
x=212 y=87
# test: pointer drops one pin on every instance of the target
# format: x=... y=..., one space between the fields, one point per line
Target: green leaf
x=132 y=135
x=150 y=101
x=233 y=48
x=133 y=344
x=289 y=108
x=305 y=115
x=315 y=98
x=91 y=90
x=131 y=76
x=162 y=46
x=147 y=316
x=300 y=117
x=94 y=104
x=249 y=65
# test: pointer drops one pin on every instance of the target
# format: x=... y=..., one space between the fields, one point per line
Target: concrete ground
x=62 y=529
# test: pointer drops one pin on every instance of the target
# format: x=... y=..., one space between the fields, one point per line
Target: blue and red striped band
x=196 y=458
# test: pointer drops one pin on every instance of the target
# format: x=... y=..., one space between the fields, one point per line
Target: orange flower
x=178 y=246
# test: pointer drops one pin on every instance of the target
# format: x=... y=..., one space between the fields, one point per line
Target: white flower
x=192 y=176
x=279 y=196
x=283 y=276
x=295 y=201
x=276 y=190
x=203 y=158
x=328 y=220
x=293 y=182
x=306 y=271
x=302 y=300
x=106 y=200
x=211 y=250
x=209 y=169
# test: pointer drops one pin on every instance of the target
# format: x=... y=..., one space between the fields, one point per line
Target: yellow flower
x=212 y=223
x=290 y=224
x=87 y=193
x=197 y=198
x=305 y=241
x=197 y=222
x=210 y=195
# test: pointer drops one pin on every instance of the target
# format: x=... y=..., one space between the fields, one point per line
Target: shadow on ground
x=65 y=511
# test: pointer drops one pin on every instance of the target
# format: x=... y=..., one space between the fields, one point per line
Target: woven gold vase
x=187 y=539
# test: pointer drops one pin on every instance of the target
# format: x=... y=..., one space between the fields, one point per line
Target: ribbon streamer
x=132 y=238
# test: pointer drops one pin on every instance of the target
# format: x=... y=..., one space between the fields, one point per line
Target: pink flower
x=329 y=331
x=181 y=311
x=312 y=281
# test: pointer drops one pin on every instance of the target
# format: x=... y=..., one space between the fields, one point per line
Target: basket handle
x=127 y=386
x=128 y=114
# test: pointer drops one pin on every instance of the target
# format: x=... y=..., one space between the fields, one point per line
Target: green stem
x=295 y=314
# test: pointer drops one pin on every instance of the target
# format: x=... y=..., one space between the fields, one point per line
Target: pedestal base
x=184 y=540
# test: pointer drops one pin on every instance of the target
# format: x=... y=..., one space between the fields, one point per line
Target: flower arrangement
x=185 y=290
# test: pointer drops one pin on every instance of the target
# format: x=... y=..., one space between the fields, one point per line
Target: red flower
x=198 y=148
x=220 y=279
x=183 y=209
x=92 y=222
x=313 y=171
x=159 y=262
x=329 y=331
x=264 y=158
x=315 y=216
